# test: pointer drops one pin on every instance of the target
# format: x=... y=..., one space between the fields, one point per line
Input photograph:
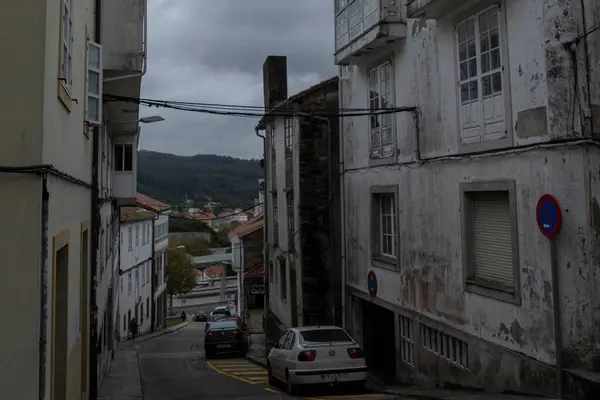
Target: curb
x=165 y=332
x=257 y=360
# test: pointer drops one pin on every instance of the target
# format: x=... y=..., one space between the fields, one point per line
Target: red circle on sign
x=540 y=209
x=372 y=283
x=261 y=187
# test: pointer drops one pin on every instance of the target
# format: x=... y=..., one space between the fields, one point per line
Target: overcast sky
x=212 y=51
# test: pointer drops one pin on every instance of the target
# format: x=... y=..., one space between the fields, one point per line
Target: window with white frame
x=137 y=235
x=384 y=225
x=130 y=238
x=381 y=124
x=289 y=136
x=123 y=157
x=67 y=44
x=290 y=212
x=480 y=70
x=143 y=234
x=94 y=84
x=129 y=283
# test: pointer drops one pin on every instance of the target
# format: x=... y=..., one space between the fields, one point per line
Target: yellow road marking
x=272 y=390
x=352 y=396
x=240 y=368
x=263 y=373
x=239 y=378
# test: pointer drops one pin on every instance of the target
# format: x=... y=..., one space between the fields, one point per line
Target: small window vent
x=407 y=343
x=447 y=347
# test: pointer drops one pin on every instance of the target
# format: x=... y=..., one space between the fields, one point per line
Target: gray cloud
x=212 y=51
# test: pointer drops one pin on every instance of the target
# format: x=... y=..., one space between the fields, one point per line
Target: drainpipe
x=152 y=273
x=343 y=201
x=93 y=271
x=266 y=257
x=43 y=293
x=143 y=53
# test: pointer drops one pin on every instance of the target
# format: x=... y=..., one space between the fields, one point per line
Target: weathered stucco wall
x=541 y=109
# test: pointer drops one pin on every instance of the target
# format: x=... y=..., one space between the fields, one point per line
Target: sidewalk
x=123 y=380
x=256 y=354
x=256 y=351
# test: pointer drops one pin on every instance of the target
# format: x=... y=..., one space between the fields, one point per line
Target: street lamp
x=144 y=120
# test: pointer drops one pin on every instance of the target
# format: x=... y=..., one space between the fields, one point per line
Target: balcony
x=123 y=36
x=430 y=8
x=125 y=169
x=364 y=26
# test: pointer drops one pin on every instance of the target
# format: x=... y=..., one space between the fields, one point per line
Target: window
x=130 y=238
x=143 y=235
x=407 y=343
x=272 y=144
x=381 y=125
x=290 y=214
x=480 y=73
x=490 y=239
x=123 y=157
x=94 y=84
x=384 y=218
x=129 y=283
x=137 y=235
x=143 y=276
x=283 y=280
x=67 y=45
x=324 y=336
x=142 y=314
x=289 y=136
x=148 y=308
x=289 y=341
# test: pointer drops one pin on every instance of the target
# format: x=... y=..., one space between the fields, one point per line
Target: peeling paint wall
x=431 y=282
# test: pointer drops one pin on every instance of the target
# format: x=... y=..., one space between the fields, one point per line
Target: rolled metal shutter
x=492 y=237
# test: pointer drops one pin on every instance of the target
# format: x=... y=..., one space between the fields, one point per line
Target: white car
x=316 y=355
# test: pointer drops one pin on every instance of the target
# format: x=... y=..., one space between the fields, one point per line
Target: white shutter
x=492 y=237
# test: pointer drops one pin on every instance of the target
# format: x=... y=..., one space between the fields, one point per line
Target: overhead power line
x=252 y=111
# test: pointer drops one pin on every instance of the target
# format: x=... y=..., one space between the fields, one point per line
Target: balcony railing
x=362 y=26
x=430 y=8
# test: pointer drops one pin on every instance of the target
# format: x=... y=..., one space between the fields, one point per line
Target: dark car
x=225 y=337
x=200 y=317
x=216 y=316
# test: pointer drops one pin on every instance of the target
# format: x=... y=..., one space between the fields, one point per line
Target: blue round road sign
x=372 y=283
x=549 y=215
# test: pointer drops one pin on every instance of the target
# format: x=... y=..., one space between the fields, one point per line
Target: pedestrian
x=183 y=316
x=133 y=328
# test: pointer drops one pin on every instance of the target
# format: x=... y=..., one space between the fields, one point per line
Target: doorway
x=60 y=318
x=379 y=338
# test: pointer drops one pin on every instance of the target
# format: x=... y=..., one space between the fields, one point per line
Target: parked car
x=316 y=355
x=216 y=316
x=200 y=316
x=225 y=336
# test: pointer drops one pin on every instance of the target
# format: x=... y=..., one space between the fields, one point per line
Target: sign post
x=372 y=283
x=549 y=220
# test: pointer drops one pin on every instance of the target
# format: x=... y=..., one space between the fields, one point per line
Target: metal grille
x=407 y=343
x=492 y=237
x=447 y=347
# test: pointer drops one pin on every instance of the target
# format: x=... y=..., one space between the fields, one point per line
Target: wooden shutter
x=492 y=237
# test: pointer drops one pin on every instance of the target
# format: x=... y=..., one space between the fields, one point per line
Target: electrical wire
x=252 y=111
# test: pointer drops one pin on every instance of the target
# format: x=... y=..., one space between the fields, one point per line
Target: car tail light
x=237 y=333
x=209 y=335
x=307 y=355
x=356 y=352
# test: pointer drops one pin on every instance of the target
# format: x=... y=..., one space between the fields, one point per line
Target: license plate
x=223 y=346
x=334 y=377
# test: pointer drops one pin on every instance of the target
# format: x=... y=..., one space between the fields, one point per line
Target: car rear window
x=227 y=324
x=324 y=336
x=222 y=312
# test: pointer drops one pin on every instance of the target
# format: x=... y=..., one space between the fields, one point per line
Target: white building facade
x=441 y=246
x=159 y=272
x=135 y=291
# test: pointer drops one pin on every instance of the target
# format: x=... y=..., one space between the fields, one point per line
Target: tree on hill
x=195 y=247
x=232 y=182
x=180 y=272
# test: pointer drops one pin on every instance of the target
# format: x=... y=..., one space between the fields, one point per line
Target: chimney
x=275 y=80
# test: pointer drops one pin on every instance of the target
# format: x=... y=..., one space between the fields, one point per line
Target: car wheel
x=272 y=380
x=289 y=387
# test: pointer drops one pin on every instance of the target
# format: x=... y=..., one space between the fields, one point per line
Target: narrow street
x=173 y=367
